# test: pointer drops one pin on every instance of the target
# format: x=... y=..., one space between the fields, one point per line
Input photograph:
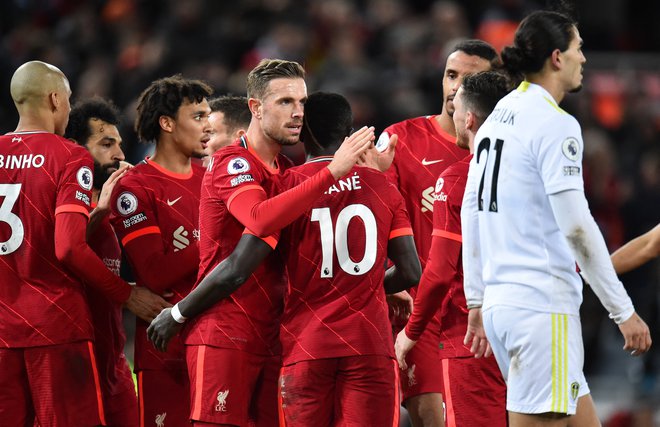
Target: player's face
x=281 y=110
x=104 y=144
x=220 y=135
x=459 y=116
x=459 y=64
x=191 y=131
x=574 y=63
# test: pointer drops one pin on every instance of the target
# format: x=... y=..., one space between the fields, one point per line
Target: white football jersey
x=526 y=150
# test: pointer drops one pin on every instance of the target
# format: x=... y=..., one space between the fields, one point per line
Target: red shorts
x=423 y=375
x=355 y=391
x=232 y=387
x=121 y=408
x=474 y=392
x=56 y=385
x=163 y=397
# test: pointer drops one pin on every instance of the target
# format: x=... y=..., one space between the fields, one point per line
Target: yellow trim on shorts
x=559 y=403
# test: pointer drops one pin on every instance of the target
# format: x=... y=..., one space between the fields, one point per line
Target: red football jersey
x=335 y=256
x=109 y=337
x=152 y=200
x=423 y=152
x=449 y=191
x=248 y=320
x=41 y=302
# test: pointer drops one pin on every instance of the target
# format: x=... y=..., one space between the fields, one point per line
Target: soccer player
x=155 y=212
x=525 y=223
x=233 y=347
x=230 y=117
x=474 y=389
x=426 y=147
x=638 y=251
x=93 y=125
x=46 y=330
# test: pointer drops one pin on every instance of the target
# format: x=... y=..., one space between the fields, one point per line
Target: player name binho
x=22 y=161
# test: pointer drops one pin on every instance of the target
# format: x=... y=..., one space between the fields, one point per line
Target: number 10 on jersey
x=337 y=238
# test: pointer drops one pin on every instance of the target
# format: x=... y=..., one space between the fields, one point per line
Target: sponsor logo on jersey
x=82 y=197
x=383 y=142
x=241 y=179
x=428 y=197
x=411 y=376
x=160 y=419
x=172 y=202
x=430 y=162
x=221 y=406
x=22 y=161
x=113 y=264
x=85 y=178
x=570 y=148
x=180 y=237
x=238 y=165
x=571 y=170
x=127 y=203
x=17 y=139
x=135 y=219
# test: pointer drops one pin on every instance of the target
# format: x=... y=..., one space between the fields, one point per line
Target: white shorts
x=541 y=358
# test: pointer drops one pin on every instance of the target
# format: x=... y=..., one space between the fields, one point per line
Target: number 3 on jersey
x=10 y=193
x=337 y=238
x=484 y=145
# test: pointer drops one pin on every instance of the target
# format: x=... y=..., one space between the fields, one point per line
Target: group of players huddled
x=270 y=294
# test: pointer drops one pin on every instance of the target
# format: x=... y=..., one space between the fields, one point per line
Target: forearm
x=265 y=216
x=637 y=252
x=588 y=246
x=407 y=269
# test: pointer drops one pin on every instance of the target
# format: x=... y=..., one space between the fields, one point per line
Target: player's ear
x=556 y=59
x=470 y=121
x=166 y=123
x=255 y=107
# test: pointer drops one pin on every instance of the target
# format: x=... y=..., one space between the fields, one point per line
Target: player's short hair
x=482 y=91
x=78 y=128
x=328 y=120
x=163 y=97
x=537 y=36
x=476 y=47
x=270 y=69
x=236 y=111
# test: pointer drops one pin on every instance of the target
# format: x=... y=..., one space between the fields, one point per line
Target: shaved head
x=39 y=91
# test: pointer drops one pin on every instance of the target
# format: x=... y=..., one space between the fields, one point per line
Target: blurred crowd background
x=387 y=57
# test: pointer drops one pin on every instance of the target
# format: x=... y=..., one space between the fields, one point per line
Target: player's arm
x=102 y=208
x=638 y=251
x=406 y=271
x=264 y=216
x=221 y=282
x=588 y=246
x=72 y=250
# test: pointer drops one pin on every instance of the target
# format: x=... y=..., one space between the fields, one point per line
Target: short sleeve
x=559 y=157
x=133 y=212
x=75 y=187
x=233 y=171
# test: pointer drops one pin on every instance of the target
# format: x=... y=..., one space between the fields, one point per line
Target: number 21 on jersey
x=335 y=237
x=485 y=160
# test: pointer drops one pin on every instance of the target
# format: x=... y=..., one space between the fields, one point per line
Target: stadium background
x=387 y=57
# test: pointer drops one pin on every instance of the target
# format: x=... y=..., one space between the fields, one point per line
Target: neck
x=550 y=83
x=471 y=143
x=266 y=148
x=167 y=156
x=34 y=119
x=446 y=123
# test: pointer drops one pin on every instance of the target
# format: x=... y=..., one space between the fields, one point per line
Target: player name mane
x=502 y=115
x=22 y=161
x=349 y=183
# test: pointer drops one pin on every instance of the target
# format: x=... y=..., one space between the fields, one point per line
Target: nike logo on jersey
x=430 y=162
x=172 y=202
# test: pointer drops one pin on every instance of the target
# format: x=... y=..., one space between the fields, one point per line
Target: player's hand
x=162 y=329
x=145 y=304
x=103 y=204
x=350 y=151
x=636 y=335
x=402 y=346
x=400 y=303
x=385 y=147
x=476 y=336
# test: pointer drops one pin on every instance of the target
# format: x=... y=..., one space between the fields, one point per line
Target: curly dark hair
x=163 y=97
x=78 y=128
